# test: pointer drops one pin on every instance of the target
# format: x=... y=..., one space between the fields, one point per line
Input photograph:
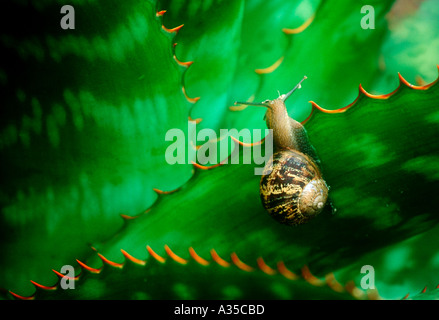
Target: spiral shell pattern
x=294 y=191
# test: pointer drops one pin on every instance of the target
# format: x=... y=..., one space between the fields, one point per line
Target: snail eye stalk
x=264 y=104
x=285 y=96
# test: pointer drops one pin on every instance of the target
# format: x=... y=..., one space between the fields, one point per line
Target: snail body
x=292 y=188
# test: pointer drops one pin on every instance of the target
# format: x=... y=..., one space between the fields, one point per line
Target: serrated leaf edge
x=260 y=266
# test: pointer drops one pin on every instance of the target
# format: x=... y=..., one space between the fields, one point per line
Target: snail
x=292 y=188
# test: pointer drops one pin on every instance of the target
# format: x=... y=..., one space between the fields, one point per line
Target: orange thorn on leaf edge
x=309 y=277
x=238 y=108
x=244 y=144
x=59 y=274
x=197 y=258
x=191 y=100
x=226 y=160
x=90 y=269
x=197 y=120
x=218 y=259
x=111 y=263
x=186 y=64
x=264 y=267
x=127 y=217
x=43 y=287
x=172 y=30
x=362 y=92
x=158 y=191
x=155 y=255
x=285 y=272
x=133 y=259
x=300 y=28
x=160 y=13
x=32 y=297
x=174 y=257
x=241 y=265
x=271 y=68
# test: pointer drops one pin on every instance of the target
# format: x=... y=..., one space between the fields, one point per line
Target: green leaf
x=327 y=52
x=188 y=280
x=82 y=141
x=82 y=137
x=211 y=212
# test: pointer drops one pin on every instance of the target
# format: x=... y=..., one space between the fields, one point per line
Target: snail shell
x=294 y=191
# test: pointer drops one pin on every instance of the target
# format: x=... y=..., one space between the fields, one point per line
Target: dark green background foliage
x=83 y=123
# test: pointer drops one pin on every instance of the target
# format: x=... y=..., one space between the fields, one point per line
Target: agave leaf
x=82 y=137
x=328 y=242
x=213 y=43
x=228 y=41
x=326 y=51
x=177 y=278
x=220 y=208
